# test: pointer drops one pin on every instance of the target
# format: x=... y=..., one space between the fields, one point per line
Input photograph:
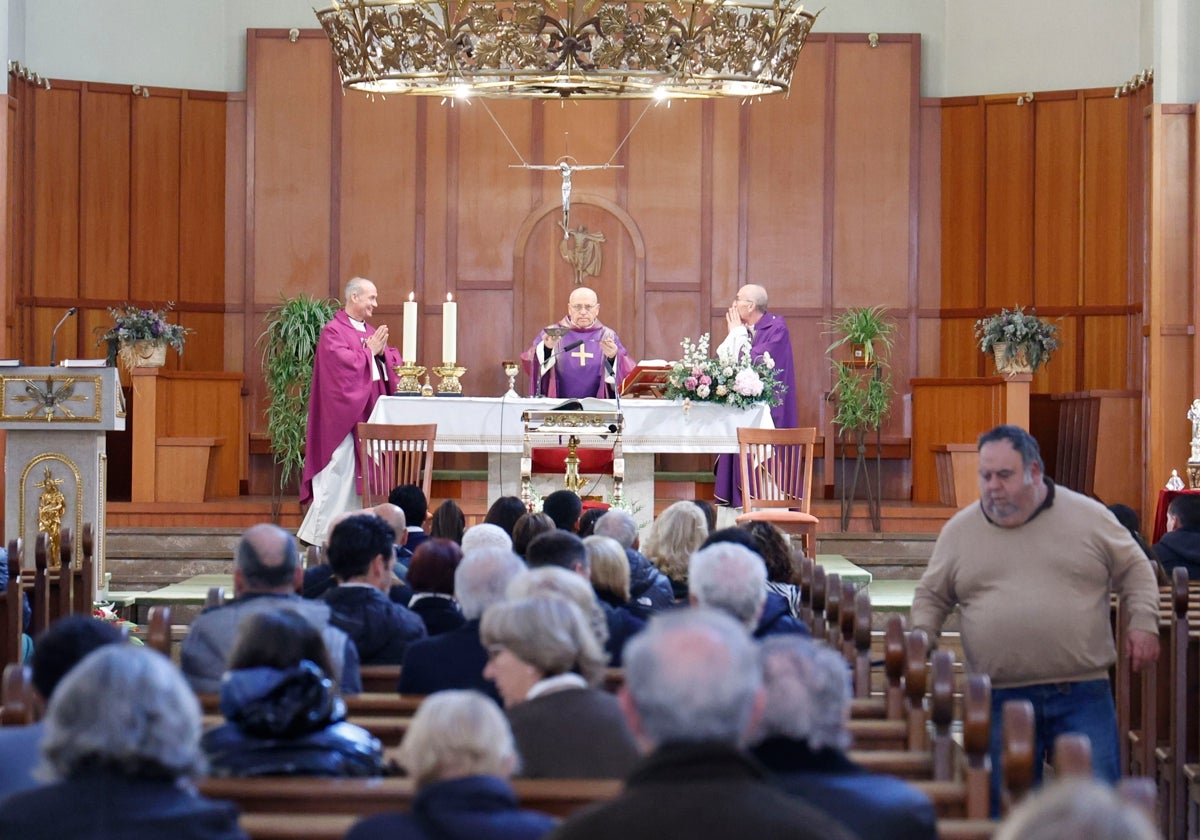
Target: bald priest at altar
x=579 y=356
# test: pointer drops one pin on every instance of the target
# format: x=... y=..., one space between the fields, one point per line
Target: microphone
x=54 y=335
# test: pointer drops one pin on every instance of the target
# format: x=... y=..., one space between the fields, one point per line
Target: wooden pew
x=158 y=633
x=380 y=678
x=1179 y=647
x=84 y=587
x=19 y=703
x=41 y=587
x=12 y=606
x=367 y=703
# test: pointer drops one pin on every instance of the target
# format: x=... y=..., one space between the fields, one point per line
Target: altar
x=493 y=425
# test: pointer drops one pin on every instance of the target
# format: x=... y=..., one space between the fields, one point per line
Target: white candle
x=450 y=331
x=410 y=330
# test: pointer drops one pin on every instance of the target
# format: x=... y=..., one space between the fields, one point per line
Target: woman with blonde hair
x=546 y=663
x=610 y=582
x=459 y=751
x=674 y=537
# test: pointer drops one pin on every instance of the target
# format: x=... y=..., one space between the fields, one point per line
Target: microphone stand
x=54 y=334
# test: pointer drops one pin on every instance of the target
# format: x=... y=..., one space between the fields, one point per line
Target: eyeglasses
x=583 y=307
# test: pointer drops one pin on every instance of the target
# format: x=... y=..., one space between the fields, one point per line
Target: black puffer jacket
x=287 y=723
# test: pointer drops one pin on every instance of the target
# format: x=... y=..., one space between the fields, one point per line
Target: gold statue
x=52 y=506
x=581 y=249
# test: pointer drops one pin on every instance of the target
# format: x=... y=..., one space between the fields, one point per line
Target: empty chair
x=776 y=466
x=390 y=455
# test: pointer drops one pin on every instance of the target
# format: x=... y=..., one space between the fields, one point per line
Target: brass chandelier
x=606 y=49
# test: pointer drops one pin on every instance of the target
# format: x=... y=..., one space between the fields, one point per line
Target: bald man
x=752 y=328
x=266 y=575
x=587 y=360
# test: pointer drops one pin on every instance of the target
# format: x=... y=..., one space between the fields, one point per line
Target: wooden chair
x=776 y=466
x=390 y=455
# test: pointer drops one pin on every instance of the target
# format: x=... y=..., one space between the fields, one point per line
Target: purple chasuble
x=579 y=372
x=343 y=392
x=770 y=336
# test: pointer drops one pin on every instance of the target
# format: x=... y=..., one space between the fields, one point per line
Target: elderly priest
x=579 y=356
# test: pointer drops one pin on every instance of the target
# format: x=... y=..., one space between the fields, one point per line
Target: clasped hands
x=377 y=341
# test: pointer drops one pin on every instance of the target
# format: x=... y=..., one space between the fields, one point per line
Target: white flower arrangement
x=731 y=380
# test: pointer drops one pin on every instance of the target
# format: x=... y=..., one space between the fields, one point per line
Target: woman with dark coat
x=431 y=576
x=459 y=751
x=284 y=715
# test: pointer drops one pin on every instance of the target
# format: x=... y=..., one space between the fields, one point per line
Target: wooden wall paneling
x=490 y=198
x=1061 y=375
x=155 y=204
x=1107 y=240
x=205 y=348
x=14 y=226
x=812 y=369
x=665 y=195
x=929 y=224
x=440 y=126
x=1107 y=359
x=725 y=206
x=289 y=93
x=784 y=149
x=1008 y=248
x=377 y=193
x=488 y=340
x=104 y=192
x=963 y=150
x=1171 y=381
x=1056 y=200
x=206 y=405
x=202 y=190
x=669 y=316
x=873 y=136
x=960 y=354
x=55 y=184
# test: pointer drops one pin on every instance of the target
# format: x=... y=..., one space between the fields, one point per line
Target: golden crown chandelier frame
x=604 y=49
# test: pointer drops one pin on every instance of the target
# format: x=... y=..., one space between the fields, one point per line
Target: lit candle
x=410 y=331
x=450 y=330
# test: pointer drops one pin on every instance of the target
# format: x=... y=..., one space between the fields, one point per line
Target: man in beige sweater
x=1030 y=569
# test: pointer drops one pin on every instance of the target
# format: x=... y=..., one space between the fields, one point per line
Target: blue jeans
x=1058 y=708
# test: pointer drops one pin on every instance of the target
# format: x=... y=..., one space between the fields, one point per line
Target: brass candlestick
x=450 y=385
x=410 y=380
x=511 y=369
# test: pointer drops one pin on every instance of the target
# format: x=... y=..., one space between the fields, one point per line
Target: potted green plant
x=1020 y=341
x=867 y=329
x=289 y=344
x=862 y=402
x=139 y=337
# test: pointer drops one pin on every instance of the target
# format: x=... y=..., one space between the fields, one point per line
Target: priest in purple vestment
x=751 y=325
x=586 y=360
x=353 y=367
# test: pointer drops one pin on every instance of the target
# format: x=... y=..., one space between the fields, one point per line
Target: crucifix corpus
x=567 y=166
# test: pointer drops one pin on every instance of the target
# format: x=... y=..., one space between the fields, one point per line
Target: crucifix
x=567 y=166
x=581 y=353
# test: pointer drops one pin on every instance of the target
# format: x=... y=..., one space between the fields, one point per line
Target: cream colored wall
x=200 y=44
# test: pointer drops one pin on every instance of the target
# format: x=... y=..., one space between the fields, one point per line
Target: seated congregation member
x=567 y=552
x=1180 y=545
x=431 y=577
x=556 y=582
x=565 y=508
x=802 y=739
x=546 y=663
x=710 y=512
x=360 y=552
x=1076 y=809
x=120 y=749
x=675 y=535
x=266 y=576
x=449 y=522
x=411 y=499
x=692 y=690
x=528 y=527
x=649 y=589
x=777 y=615
x=456 y=659
x=587 y=522
x=459 y=752
x=283 y=715
x=772 y=546
x=486 y=535
x=59 y=649
x=731 y=577
x=505 y=512
x=609 y=572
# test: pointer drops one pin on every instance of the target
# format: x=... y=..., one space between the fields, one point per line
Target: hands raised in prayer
x=377 y=341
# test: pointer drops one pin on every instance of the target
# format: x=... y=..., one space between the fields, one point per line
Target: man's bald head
x=267 y=560
x=755 y=294
x=583 y=307
x=392 y=515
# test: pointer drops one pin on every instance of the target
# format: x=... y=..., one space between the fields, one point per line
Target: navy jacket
x=1180 y=547
x=871 y=805
x=649 y=589
x=440 y=615
x=622 y=626
x=452 y=660
x=777 y=619
x=473 y=808
x=380 y=628
x=287 y=723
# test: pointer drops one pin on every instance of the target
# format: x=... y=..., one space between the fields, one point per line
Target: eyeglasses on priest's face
x=584 y=307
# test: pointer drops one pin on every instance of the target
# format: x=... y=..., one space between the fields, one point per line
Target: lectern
x=55 y=462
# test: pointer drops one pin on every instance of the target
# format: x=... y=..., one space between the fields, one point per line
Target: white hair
x=482 y=579
x=456 y=734
x=618 y=524
x=485 y=535
x=808 y=693
x=729 y=577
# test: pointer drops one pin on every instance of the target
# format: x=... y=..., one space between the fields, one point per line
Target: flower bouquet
x=105 y=612
x=138 y=328
x=737 y=381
